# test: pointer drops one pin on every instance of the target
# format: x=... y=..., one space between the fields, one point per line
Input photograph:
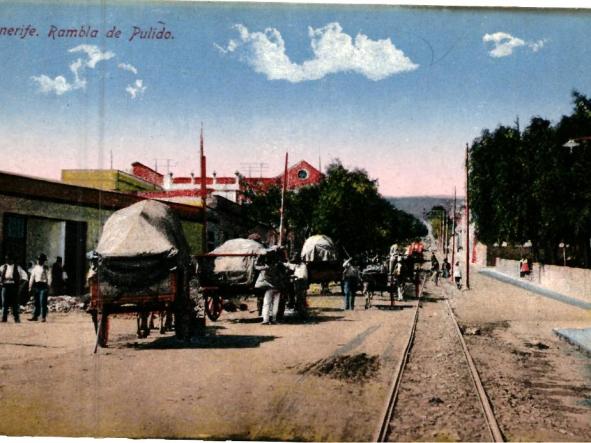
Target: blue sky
x=395 y=90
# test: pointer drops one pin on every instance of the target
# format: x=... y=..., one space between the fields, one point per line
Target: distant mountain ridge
x=420 y=205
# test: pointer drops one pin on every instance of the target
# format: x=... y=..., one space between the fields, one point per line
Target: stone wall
x=574 y=282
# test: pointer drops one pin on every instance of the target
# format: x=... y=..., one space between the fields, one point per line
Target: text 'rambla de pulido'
x=159 y=32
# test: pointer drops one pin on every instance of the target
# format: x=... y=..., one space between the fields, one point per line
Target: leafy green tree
x=528 y=186
x=346 y=206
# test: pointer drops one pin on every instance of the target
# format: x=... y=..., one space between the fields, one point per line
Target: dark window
x=302 y=174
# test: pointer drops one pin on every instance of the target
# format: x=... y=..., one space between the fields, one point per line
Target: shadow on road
x=429 y=299
x=392 y=308
x=31 y=345
x=312 y=319
x=328 y=309
x=214 y=341
x=245 y=320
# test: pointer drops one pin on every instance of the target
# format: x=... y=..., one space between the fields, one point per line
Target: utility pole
x=441 y=230
x=445 y=234
x=453 y=236
x=282 y=210
x=203 y=191
x=169 y=162
x=467 y=219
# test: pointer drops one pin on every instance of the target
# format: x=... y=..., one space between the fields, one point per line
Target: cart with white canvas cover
x=142 y=264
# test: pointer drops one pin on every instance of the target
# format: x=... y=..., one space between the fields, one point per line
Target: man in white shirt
x=39 y=282
x=11 y=275
x=300 y=285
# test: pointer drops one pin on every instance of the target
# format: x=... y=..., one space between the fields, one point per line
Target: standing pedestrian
x=272 y=273
x=523 y=267
x=351 y=278
x=445 y=268
x=11 y=276
x=300 y=285
x=435 y=269
x=40 y=282
x=458 y=275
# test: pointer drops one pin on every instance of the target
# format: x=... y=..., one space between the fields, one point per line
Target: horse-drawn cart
x=228 y=272
x=142 y=264
x=320 y=256
x=376 y=278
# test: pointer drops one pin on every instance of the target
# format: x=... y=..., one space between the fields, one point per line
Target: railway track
x=385 y=429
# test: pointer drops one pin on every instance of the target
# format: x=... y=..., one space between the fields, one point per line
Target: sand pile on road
x=59 y=303
x=357 y=368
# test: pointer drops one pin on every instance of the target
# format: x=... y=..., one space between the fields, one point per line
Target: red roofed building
x=187 y=189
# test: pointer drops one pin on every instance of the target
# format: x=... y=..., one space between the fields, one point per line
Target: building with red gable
x=187 y=189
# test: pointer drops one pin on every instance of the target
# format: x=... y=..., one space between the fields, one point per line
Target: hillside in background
x=418 y=206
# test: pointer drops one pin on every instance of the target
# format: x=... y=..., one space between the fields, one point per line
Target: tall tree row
x=527 y=186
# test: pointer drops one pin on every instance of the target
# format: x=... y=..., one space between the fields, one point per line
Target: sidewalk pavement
x=535 y=288
x=578 y=337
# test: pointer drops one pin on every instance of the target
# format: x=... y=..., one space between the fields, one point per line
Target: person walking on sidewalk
x=445 y=268
x=11 y=275
x=458 y=275
x=39 y=283
x=524 y=268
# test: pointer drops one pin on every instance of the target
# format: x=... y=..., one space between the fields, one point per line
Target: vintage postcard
x=295 y=221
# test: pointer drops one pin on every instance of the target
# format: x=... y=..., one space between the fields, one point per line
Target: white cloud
x=505 y=43
x=127 y=67
x=137 y=89
x=77 y=67
x=58 y=85
x=334 y=51
x=536 y=46
x=94 y=54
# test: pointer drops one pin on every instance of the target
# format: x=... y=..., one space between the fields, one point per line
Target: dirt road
x=325 y=379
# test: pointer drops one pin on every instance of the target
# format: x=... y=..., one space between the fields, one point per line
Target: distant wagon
x=321 y=258
x=142 y=264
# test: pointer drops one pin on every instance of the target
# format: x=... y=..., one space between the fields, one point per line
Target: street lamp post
x=570 y=144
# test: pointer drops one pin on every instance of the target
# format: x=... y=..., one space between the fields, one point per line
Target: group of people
x=275 y=277
x=39 y=278
x=445 y=270
x=275 y=274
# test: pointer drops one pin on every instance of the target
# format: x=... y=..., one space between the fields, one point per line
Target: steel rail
x=381 y=432
x=491 y=420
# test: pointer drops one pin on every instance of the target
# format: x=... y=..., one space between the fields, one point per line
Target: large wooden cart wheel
x=213 y=306
x=101 y=326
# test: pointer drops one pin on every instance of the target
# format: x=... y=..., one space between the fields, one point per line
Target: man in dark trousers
x=11 y=275
x=351 y=278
